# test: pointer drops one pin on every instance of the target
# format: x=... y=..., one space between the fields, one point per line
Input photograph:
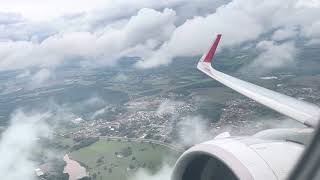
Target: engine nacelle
x=245 y=158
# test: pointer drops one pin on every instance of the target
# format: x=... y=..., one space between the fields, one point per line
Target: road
x=169 y=146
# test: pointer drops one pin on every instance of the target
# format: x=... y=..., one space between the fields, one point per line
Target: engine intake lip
x=216 y=152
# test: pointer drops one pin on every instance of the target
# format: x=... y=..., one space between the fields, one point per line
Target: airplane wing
x=304 y=112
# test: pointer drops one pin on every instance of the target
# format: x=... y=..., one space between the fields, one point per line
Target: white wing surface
x=304 y=112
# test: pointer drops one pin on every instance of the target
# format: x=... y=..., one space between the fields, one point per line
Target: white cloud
x=25 y=31
x=273 y=56
x=44 y=10
x=234 y=21
x=309 y=3
x=100 y=32
x=121 y=77
x=163 y=174
x=313 y=32
x=10 y=18
x=239 y=21
x=41 y=77
x=193 y=130
x=99 y=112
x=168 y=107
x=24 y=74
x=284 y=34
x=93 y=102
x=103 y=48
x=17 y=144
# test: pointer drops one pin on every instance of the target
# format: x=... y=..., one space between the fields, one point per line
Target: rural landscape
x=119 y=120
x=110 y=90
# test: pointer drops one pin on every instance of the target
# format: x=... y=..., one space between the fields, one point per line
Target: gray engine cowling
x=245 y=158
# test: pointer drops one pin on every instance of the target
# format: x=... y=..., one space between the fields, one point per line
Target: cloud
x=194 y=36
x=93 y=102
x=121 y=77
x=18 y=142
x=284 y=34
x=313 y=32
x=163 y=174
x=193 y=130
x=91 y=16
x=41 y=77
x=273 y=56
x=10 y=18
x=309 y=3
x=168 y=107
x=99 y=112
x=44 y=10
x=95 y=10
x=239 y=21
x=156 y=31
x=102 y=48
x=26 y=31
x=24 y=74
x=93 y=36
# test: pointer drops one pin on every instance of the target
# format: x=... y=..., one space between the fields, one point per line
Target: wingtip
x=209 y=57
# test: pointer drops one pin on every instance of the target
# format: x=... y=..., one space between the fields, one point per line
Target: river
x=74 y=169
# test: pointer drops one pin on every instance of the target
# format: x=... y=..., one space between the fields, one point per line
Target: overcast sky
x=46 y=34
x=43 y=10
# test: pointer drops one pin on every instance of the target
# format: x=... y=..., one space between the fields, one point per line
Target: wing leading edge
x=304 y=112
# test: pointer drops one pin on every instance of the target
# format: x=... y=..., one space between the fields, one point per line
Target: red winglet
x=212 y=51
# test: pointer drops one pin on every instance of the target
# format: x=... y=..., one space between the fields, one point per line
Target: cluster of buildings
x=244 y=116
x=93 y=129
x=145 y=121
x=154 y=124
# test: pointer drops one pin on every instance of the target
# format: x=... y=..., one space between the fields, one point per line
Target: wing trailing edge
x=304 y=112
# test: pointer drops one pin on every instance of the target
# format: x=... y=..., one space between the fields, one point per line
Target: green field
x=102 y=162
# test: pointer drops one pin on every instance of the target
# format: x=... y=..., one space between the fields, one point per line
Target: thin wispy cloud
x=18 y=142
x=273 y=56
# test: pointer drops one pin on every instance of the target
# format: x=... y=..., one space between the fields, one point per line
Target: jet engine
x=268 y=155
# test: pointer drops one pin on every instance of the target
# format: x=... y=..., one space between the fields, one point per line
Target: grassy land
x=101 y=159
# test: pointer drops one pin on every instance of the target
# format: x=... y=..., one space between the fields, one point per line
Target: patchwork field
x=119 y=160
